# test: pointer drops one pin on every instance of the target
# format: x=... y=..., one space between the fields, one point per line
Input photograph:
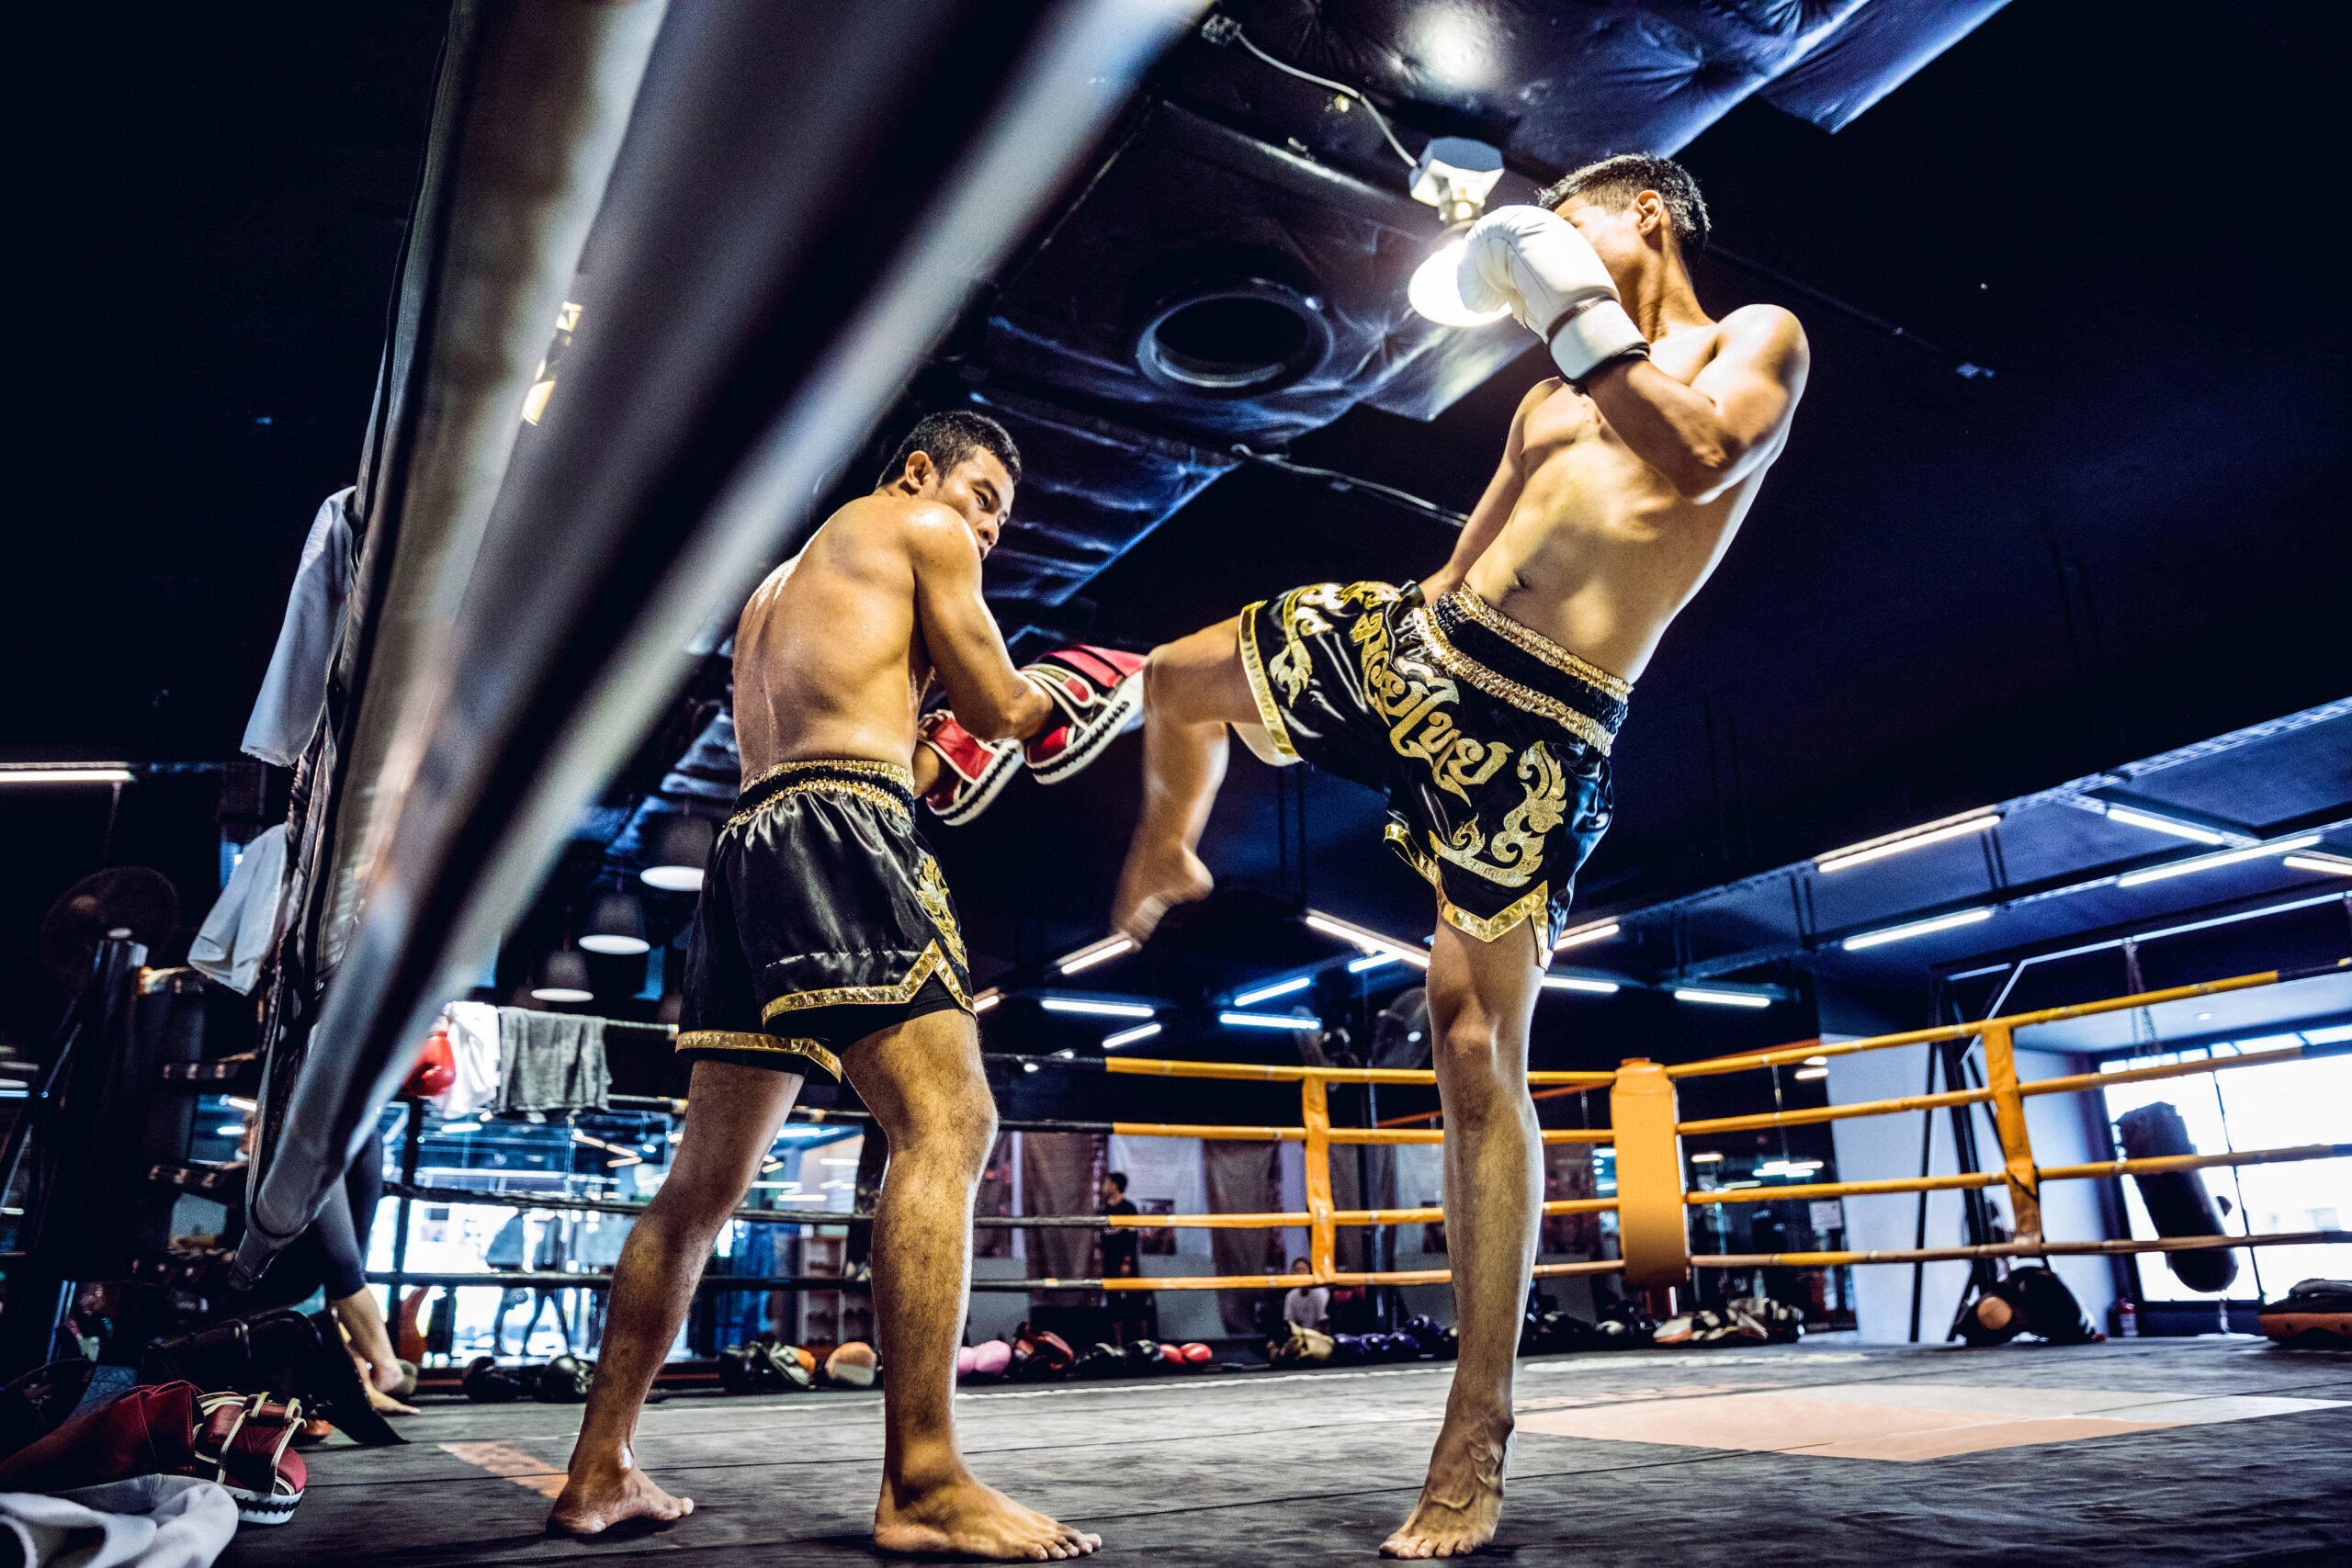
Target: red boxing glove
x=971 y=770
x=436 y=1066
x=1099 y=693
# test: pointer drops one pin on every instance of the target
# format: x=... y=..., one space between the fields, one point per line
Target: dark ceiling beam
x=808 y=194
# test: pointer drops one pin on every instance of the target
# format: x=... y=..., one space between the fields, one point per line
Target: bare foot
x=1462 y=1496
x=595 y=1498
x=965 y=1518
x=1155 y=880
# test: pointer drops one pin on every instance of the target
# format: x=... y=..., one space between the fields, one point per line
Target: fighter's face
x=1615 y=234
x=981 y=494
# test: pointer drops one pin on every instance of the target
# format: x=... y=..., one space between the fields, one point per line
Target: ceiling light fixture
x=1267 y=1021
x=987 y=999
x=1099 y=1010
x=1599 y=930
x=1455 y=175
x=1902 y=842
x=1279 y=988
x=96 y=773
x=1579 y=983
x=1721 y=998
x=1801 y=1074
x=677 y=853
x=617 y=926
x=1706 y=1156
x=2212 y=862
x=1915 y=928
x=2132 y=817
x=1370 y=941
x=564 y=977
x=1370 y=961
x=1130 y=1036
x=2335 y=865
x=1095 y=953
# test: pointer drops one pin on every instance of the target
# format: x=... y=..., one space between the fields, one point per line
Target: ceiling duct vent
x=1234 y=339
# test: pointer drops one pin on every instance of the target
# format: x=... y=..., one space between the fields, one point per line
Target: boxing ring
x=1654 y=1190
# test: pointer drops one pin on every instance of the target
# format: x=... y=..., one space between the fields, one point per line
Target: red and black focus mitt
x=972 y=772
x=1098 y=694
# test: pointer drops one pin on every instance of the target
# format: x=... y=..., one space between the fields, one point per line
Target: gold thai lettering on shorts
x=1515 y=854
x=932 y=889
x=1417 y=703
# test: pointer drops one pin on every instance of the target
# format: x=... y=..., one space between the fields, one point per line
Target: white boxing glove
x=1537 y=263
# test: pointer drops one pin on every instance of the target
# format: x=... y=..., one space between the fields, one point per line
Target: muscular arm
x=1494 y=508
x=966 y=649
x=1707 y=436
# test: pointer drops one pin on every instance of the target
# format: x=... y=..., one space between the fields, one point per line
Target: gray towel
x=550 y=1061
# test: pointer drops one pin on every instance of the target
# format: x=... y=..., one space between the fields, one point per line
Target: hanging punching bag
x=2177 y=1201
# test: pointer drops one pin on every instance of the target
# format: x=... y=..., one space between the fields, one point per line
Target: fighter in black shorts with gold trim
x=1484 y=702
x=825 y=944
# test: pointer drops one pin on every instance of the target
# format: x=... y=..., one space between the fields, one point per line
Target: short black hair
x=1118 y=1176
x=1614 y=182
x=948 y=438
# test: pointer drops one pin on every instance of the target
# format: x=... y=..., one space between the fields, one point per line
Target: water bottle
x=2127 y=1315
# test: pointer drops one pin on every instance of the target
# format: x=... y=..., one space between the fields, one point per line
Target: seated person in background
x=1308 y=1305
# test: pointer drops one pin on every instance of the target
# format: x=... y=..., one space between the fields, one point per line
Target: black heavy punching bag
x=2177 y=1202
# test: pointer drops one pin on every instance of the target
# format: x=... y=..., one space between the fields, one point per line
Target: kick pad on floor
x=1900 y=1421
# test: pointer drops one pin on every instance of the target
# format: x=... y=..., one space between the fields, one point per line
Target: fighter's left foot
x=963 y=1517
x=1462 y=1496
x=1156 y=878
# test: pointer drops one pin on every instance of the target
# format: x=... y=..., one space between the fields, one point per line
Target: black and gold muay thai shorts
x=823 y=920
x=1490 y=740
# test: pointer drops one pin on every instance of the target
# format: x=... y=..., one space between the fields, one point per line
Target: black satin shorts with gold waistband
x=1490 y=740
x=823 y=920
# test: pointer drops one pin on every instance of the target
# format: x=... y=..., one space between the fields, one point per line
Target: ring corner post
x=1651 y=1229
x=2009 y=1122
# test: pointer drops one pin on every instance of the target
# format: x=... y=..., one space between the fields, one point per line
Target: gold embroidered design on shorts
x=932 y=889
x=1463 y=667
x=1416 y=700
x=1532 y=906
x=1270 y=712
x=931 y=963
x=902 y=776
x=870 y=793
x=1516 y=852
x=736 y=1039
x=1528 y=640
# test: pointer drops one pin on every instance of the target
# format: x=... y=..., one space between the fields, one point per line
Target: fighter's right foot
x=1155 y=880
x=596 y=1498
x=964 y=1519
x=1463 y=1498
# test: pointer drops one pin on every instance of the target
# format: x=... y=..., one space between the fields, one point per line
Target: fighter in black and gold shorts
x=1490 y=740
x=823 y=920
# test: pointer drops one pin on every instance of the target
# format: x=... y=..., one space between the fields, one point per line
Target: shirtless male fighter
x=1483 y=701
x=825 y=945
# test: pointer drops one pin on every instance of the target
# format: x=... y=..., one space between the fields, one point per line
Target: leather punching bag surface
x=2177 y=1201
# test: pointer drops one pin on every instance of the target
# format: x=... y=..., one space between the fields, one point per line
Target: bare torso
x=830 y=660
x=1600 y=550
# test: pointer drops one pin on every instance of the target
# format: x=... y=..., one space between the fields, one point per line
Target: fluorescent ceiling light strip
x=64 y=775
x=1370 y=941
x=987 y=999
x=1582 y=934
x=2131 y=817
x=1722 y=998
x=1266 y=1021
x=1370 y=961
x=1100 y=1010
x=1916 y=928
x=2212 y=862
x=2335 y=865
x=1879 y=849
x=1279 y=988
x=1130 y=1036
x=1577 y=983
x=1096 y=952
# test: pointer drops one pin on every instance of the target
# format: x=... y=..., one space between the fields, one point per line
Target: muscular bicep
x=968 y=652
x=1754 y=381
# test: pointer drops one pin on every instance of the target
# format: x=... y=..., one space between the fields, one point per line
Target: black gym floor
x=2173 y=1452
